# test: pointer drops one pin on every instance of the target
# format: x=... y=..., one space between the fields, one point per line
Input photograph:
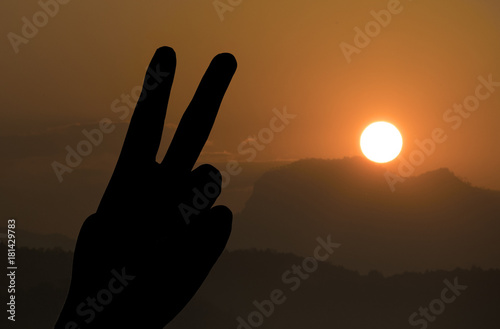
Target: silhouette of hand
x=155 y=236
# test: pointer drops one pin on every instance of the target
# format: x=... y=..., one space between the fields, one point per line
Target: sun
x=381 y=142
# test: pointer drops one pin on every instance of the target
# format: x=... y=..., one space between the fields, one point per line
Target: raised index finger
x=198 y=119
x=146 y=126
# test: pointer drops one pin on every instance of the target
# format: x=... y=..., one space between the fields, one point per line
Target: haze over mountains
x=433 y=221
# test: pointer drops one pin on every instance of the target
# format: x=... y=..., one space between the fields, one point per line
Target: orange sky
x=428 y=58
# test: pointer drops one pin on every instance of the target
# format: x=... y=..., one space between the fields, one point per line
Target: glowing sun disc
x=381 y=142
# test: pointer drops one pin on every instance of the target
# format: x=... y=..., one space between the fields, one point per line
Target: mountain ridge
x=428 y=218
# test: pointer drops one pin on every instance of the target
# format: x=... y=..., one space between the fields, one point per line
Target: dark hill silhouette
x=332 y=297
x=433 y=221
x=25 y=238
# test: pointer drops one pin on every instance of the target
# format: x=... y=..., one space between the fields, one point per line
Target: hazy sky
x=67 y=76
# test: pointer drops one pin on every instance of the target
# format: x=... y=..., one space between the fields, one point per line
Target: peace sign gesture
x=145 y=252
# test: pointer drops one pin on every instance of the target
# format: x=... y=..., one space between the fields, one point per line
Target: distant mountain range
x=433 y=221
x=242 y=283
